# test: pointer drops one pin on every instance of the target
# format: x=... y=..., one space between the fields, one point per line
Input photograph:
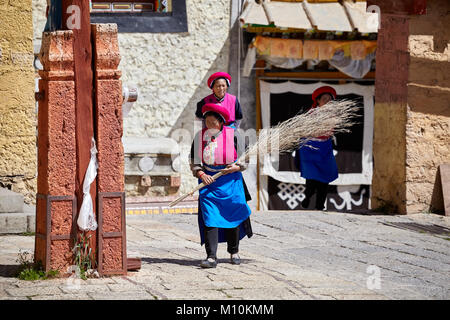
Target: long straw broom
x=334 y=117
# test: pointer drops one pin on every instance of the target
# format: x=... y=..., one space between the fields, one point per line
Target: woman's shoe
x=235 y=259
x=208 y=263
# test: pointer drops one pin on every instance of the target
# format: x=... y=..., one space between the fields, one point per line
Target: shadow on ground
x=187 y=262
x=9 y=270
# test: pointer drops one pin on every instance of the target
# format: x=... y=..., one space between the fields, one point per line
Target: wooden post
x=260 y=64
x=76 y=17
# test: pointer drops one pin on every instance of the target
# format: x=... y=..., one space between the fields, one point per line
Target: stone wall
x=428 y=123
x=412 y=110
x=17 y=105
x=170 y=70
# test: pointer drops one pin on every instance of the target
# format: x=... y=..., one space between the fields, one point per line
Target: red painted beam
x=76 y=17
x=409 y=7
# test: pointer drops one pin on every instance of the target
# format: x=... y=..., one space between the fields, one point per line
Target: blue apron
x=222 y=204
x=318 y=164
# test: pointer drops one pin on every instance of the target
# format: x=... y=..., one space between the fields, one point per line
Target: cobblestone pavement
x=292 y=255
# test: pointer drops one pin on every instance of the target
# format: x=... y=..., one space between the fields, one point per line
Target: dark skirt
x=245 y=228
x=248 y=197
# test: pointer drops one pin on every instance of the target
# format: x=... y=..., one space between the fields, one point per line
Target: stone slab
x=80 y=287
x=264 y=293
x=134 y=295
x=33 y=291
x=63 y=297
x=10 y=201
x=16 y=223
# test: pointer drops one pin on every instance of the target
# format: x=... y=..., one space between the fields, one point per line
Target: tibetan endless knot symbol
x=292 y=192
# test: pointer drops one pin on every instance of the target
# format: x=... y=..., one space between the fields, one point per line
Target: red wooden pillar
x=112 y=258
x=410 y=7
x=76 y=17
x=55 y=203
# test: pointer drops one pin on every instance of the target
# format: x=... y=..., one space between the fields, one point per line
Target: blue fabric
x=223 y=203
x=54 y=18
x=317 y=164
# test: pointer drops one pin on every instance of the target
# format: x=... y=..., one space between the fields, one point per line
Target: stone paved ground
x=292 y=255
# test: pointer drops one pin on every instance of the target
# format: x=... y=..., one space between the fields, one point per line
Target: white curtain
x=354 y=68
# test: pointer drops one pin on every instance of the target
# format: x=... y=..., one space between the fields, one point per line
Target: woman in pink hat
x=223 y=214
x=219 y=83
x=318 y=164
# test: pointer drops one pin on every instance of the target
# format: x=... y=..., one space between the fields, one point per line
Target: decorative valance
x=313 y=49
x=352 y=57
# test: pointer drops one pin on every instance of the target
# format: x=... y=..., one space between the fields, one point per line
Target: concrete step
x=17 y=222
x=10 y=201
x=29 y=208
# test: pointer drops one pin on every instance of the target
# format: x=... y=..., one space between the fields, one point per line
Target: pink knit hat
x=217 y=108
x=219 y=75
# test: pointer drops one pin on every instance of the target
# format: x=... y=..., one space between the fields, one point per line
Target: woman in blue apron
x=223 y=212
x=318 y=165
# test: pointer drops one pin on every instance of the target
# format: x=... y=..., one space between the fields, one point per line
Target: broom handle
x=201 y=185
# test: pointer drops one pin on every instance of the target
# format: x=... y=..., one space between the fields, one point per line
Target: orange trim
x=103 y=6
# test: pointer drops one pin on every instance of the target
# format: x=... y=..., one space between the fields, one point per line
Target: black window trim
x=147 y=22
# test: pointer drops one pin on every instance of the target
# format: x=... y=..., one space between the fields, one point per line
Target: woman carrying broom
x=223 y=212
x=318 y=165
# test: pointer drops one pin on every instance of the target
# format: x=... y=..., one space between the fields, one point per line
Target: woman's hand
x=231 y=168
x=206 y=179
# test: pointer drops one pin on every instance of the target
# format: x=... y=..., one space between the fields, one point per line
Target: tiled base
x=188 y=208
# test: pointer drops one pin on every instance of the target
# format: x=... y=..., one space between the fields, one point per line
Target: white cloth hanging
x=86 y=219
x=353 y=68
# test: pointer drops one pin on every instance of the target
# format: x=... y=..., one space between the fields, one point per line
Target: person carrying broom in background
x=318 y=164
x=223 y=213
